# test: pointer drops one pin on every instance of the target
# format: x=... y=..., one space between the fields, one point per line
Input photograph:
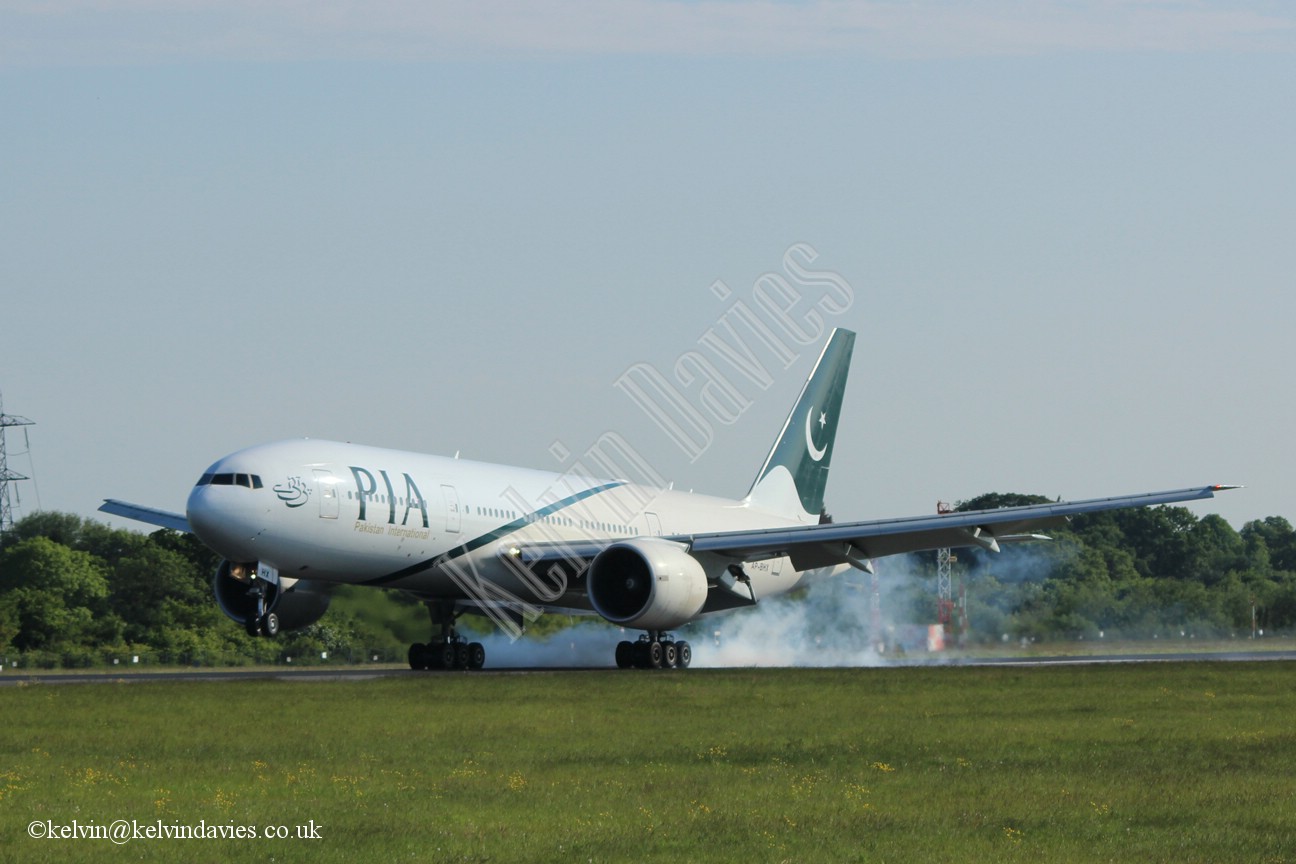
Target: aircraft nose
x=222 y=519
x=200 y=511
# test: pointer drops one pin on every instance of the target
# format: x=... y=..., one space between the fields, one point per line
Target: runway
x=1096 y=659
x=19 y=677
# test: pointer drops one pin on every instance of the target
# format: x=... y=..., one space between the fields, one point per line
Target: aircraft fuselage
x=348 y=513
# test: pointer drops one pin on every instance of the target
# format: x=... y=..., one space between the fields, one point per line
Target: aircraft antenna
x=7 y=476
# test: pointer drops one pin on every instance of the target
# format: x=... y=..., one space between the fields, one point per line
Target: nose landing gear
x=261 y=622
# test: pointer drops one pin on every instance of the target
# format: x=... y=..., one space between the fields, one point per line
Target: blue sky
x=1067 y=229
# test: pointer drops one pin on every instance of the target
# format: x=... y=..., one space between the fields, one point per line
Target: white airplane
x=293 y=518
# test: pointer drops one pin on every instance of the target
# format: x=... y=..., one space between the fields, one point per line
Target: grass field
x=1159 y=762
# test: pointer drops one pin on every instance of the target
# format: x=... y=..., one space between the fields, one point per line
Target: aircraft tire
x=461 y=656
x=476 y=655
x=684 y=654
x=418 y=656
x=655 y=655
x=625 y=655
x=670 y=657
x=445 y=656
x=271 y=626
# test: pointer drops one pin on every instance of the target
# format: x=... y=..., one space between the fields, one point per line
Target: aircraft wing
x=147 y=515
x=811 y=546
x=855 y=543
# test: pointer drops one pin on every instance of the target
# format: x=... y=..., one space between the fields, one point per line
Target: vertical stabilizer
x=792 y=480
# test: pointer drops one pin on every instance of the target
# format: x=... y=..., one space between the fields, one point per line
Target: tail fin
x=794 y=475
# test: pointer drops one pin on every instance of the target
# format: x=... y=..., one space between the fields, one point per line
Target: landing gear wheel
x=266 y=625
x=418 y=656
x=656 y=649
x=449 y=650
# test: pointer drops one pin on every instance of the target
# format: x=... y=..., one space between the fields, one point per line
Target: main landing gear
x=449 y=650
x=455 y=654
x=654 y=650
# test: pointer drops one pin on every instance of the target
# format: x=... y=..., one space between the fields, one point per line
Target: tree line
x=1141 y=573
x=75 y=592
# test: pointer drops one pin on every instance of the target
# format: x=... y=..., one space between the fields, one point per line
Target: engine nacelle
x=647 y=584
x=297 y=602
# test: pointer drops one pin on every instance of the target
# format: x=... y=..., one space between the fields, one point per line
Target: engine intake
x=647 y=584
x=297 y=602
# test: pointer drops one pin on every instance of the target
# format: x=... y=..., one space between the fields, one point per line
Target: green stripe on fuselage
x=492 y=536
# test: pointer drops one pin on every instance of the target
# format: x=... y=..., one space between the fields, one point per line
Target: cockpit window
x=247 y=481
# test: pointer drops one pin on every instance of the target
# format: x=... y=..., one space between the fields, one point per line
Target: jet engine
x=285 y=604
x=647 y=584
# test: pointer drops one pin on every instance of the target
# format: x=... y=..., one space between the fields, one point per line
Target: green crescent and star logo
x=816 y=453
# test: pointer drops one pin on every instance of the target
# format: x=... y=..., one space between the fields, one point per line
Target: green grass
x=1167 y=762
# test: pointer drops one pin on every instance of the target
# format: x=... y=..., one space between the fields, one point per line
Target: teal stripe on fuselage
x=491 y=536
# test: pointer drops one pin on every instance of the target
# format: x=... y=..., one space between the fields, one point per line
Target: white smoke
x=834 y=623
x=830 y=624
x=587 y=643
